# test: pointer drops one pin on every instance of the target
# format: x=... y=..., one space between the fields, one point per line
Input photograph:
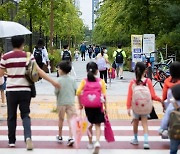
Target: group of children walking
x=66 y=96
x=140 y=96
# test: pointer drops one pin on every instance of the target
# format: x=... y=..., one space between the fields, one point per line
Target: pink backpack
x=141 y=99
x=91 y=95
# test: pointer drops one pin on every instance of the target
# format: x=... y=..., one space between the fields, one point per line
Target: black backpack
x=38 y=55
x=97 y=50
x=119 y=57
x=90 y=49
x=66 y=56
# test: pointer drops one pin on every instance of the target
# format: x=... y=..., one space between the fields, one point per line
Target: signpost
x=148 y=43
x=149 y=46
x=136 y=48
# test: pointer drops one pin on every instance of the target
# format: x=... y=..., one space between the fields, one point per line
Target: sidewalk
x=44 y=105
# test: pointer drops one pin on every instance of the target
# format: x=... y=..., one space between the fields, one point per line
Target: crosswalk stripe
x=84 y=138
x=67 y=128
x=44 y=137
x=83 y=151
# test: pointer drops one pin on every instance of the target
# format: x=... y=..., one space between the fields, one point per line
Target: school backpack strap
x=28 y=58
x=145 y=82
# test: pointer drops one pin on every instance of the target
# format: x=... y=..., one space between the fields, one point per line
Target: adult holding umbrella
x=18 y=88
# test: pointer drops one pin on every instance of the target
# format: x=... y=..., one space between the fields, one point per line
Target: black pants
x=83 y=55
x=90 y=55
x=21 y=98
x=103 y=75
x=40 y=65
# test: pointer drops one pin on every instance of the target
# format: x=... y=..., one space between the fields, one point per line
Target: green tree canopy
x=118 y=19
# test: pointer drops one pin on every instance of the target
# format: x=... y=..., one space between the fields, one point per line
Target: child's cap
x=176 y=92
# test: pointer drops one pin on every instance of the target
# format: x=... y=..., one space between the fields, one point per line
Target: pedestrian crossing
x=44 y=137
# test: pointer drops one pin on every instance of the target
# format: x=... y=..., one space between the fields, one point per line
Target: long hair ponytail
x=103 y=51
x=91 y=71
x=139 y=70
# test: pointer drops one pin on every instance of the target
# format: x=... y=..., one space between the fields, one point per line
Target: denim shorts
x=137 y=116
x=119 y=65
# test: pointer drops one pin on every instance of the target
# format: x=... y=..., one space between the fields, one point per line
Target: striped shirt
x=15 y=64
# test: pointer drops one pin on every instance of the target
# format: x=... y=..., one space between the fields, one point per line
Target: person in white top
x=102 y=61
x=40 y=54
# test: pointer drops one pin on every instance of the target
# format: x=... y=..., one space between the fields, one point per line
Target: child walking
x=172 y=119
x=173 y=97
x=140 y=80
x=76 y=54
x=65 y=99
x=173 y=80
x=94 y=115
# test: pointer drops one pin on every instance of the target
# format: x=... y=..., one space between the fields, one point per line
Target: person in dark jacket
x=83 y=49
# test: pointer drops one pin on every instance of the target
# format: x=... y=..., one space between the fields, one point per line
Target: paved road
x=44 y=122
x=117 y=88
x=44 y=132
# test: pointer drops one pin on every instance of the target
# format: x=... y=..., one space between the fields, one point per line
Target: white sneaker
x=134 y=142
x=96 y=148
x=90 y=146
x=3 y=104
x=70 y=142
x=59 y=139
x=160 y=131
x=29 y=144
x=165 y=134
x=12 y=145
x=146 y=146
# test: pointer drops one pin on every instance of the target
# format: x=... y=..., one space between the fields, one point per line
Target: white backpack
x=101 y=62
x=141 y=99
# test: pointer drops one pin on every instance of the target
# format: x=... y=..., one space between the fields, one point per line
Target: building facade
x=95 y=7
x=77 y=4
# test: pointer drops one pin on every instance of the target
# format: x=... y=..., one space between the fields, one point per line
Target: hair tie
x=90 y=70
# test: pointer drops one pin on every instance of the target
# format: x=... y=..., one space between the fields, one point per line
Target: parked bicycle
x=158 y=71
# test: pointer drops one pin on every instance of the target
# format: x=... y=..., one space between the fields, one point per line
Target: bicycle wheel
x=164 y=68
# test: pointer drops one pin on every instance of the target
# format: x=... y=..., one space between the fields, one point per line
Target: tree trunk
x=56 y=41
x=148 y=17
x=51 y=26
x=40 y=28
x=46 y=42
